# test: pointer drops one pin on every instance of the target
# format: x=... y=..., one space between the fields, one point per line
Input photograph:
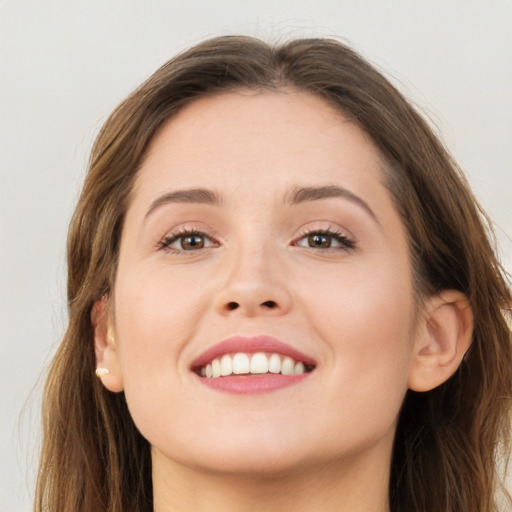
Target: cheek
x=155 y=315
x=155 y=318
x=366 y=322
x=354 y=299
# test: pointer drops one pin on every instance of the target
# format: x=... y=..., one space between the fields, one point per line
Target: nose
x=254 y=285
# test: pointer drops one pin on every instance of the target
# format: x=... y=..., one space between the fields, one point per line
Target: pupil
x=192 y=242
x=319 y=241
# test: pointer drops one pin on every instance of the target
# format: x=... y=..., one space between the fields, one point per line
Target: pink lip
x=251 y=384
x=251 y=346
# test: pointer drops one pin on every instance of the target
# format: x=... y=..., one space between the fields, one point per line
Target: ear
x=105 y=346
x=443 y=338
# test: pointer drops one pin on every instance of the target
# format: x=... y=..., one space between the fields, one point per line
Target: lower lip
x=249 y=385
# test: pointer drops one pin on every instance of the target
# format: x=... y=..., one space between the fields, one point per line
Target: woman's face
x=259 y=223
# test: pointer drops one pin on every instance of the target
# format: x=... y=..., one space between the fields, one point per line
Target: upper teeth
x=242 y=363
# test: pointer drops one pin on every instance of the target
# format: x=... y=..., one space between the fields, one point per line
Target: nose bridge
x=253 y=281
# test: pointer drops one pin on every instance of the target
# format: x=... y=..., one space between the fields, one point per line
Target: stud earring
x=101 y=372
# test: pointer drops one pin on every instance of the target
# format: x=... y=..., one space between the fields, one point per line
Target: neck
x=360 y=486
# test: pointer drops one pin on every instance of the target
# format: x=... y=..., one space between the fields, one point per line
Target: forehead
x=263 y=139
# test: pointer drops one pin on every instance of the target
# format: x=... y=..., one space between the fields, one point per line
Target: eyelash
x=166 y=243
x=345 y=242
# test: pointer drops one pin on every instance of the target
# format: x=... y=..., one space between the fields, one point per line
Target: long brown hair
x=448 y=440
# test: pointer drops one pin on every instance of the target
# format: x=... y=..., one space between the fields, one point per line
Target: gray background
x=65 y=64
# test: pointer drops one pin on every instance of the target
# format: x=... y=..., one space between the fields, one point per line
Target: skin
x=325 y=443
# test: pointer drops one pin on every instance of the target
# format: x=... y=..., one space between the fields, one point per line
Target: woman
x=289 y=297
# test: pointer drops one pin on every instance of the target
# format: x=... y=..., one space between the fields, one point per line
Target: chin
x=266 y=454
x=253 y=463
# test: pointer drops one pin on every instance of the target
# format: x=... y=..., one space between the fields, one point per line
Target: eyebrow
x=298 y=195
x=305 y=194
x=191 y=195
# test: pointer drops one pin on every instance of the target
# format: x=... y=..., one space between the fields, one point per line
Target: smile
x=259 y=363
x=247 y=365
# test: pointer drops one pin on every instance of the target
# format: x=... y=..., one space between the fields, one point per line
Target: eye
x=186 y=241
x=325 y=239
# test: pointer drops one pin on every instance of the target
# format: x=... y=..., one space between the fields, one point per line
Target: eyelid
x=346 y=240
x=179 y=232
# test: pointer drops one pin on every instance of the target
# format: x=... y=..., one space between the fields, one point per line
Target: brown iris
x=319 y=241
x=191 y=242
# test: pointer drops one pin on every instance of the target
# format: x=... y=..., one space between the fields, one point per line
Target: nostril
x=269 y=304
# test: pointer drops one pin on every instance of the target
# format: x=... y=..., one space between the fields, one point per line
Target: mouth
x=252 y=365
x=257 y=364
